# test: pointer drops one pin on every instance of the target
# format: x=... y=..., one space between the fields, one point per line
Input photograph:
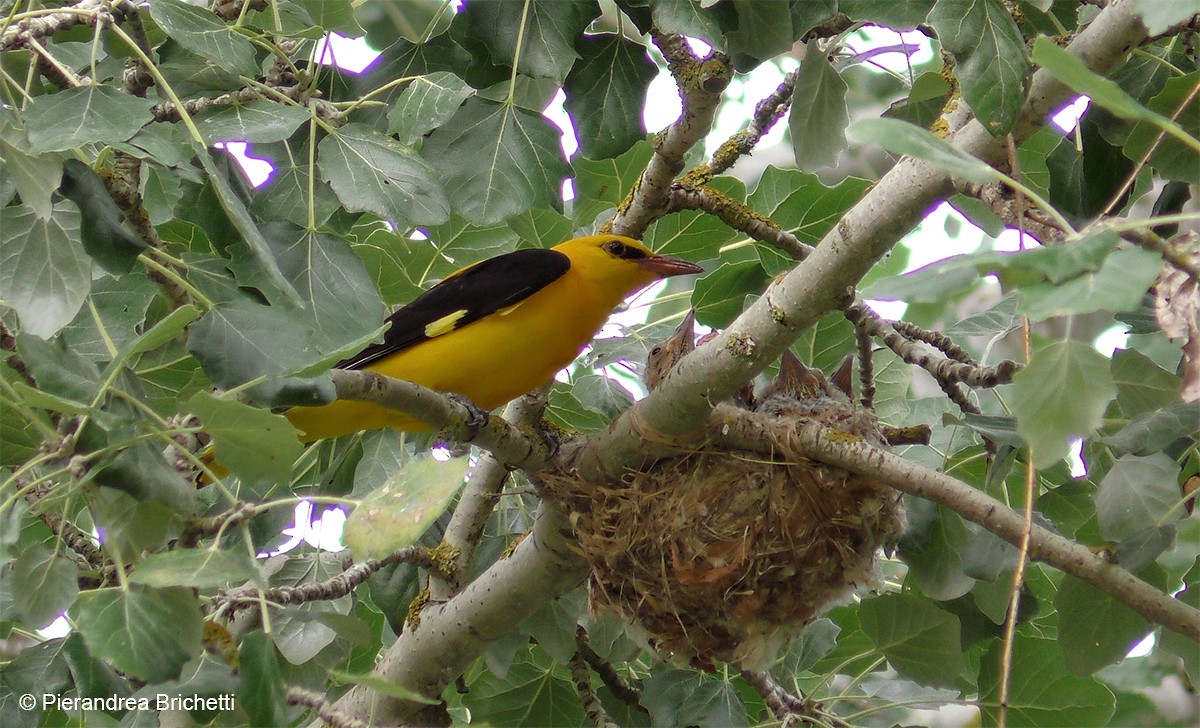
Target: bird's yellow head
x=620 y=264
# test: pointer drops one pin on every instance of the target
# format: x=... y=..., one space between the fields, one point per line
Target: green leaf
x=200 y=568
x=262 y=688
x=1138 y=503
x=705 y=21
x=370 y=172
x=383 y=687
x=102 y=225
x=684 y=697
x=996 y=321
x=718 y=296
x=1042 y=692
x=36 y=176
x=258 y=269
x=1142 y=386
x=239 y=341
x=1061 y=394
x=146 y=633
x=45 y=274
x=251 y=441
x=202 y=33
x=84 y=115
x=605 y=90
x=1172 y=158
x=900 y=137
x=44 y=584
x=543 y=32
x=897 y=14
x=258 y=121
x=116 y=312
x=166 y=330
x=425 y=104
x=924 y=102
x=933 y=283
x=818 y=118
x=541 y=227
x=816 y=641
x=1105 y=93
x=601 y=184
x=36 y=670
x=1063 y=262
x=933 y=548
x=919 y=640
x=328 y=15
x=1094 y=630
x=989 y=55
x=802 y=205
x=497 y=160
x=535 y=691
x=695 y=235
x=341 y=304
x=92 y=678
x=766 y=29
x=1159 y=16
x=1154 y=431
x=1118 y=286
x=398 y=513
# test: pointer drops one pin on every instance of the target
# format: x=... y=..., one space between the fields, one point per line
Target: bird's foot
x=477 y=417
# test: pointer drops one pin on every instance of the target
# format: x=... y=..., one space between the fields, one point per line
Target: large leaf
x=146 y=633
x=257 y=121
x=83 y=115
x=398 y=513
x=1138 y=504
x=200 y=568
x=542 y=31
x=920 y=640
x=44 y=584
x=1171 y=157
x=35 y=176
x=1094 y=628
x=535 y=691
x=802 y=205
x=250 y=441
x=45 y=274
x=1061 y=394
x=818 y=117
x=719 y=295
x=425 y=104
x=602 y=184
x=262 y=691
x=1042 y=691
x=605 y=91
x=497 y=160
x=897 y=14
x=989 y=55
x=681 y=697
x=370 y=172
x=204 y=34
x=1155 y=430
x=102 y=224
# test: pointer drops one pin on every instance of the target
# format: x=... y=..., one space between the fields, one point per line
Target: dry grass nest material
x=727 y=555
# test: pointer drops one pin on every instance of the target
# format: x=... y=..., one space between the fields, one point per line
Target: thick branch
x=741 y=431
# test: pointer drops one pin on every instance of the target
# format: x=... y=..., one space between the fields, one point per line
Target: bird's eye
x=656 y=350
x=620 y=250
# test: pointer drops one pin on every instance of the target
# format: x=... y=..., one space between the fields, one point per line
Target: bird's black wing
x=468 y=295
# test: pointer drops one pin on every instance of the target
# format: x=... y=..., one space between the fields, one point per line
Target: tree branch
x=448 y=416
x=739 y=430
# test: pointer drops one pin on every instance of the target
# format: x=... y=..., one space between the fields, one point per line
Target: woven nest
x=725 y=556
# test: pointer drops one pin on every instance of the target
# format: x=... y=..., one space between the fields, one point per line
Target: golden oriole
x=497 y=329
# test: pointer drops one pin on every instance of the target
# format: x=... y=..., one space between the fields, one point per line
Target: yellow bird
x=497 y=329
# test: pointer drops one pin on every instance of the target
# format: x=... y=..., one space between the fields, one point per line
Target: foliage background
x=151 y=296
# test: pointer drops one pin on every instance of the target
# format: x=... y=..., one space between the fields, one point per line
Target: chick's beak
x=665 y=267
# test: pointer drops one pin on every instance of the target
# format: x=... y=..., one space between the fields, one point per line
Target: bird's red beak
x=665 y=267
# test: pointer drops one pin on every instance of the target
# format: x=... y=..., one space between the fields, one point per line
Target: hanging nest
x=726 y=555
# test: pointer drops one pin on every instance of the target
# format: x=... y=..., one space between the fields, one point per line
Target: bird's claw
x=477 y=417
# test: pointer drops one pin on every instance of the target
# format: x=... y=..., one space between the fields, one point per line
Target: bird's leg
x=477 y=417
